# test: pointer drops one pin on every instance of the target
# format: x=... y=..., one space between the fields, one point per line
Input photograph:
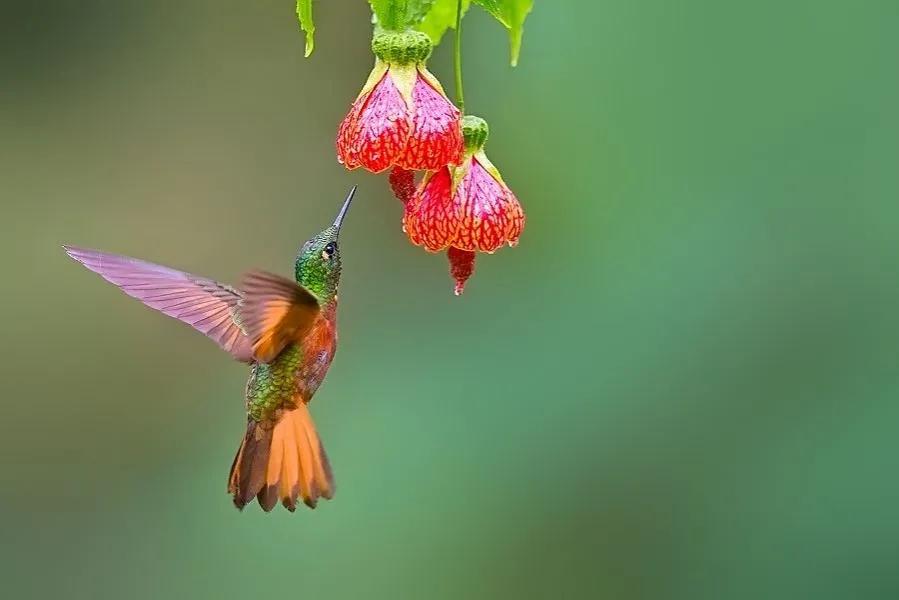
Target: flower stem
x=457 y=62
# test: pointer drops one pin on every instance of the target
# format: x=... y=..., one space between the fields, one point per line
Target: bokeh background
x=682 y=384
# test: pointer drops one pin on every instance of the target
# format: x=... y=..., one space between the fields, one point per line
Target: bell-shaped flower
x=468 y=206
x=402 y=116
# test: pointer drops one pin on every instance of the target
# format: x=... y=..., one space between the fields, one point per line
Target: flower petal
x=436 y=136
x=346 y=152
x=484 y=203
x=348 y=130
x=515 y=216
x=379 y=134
x=431 y=218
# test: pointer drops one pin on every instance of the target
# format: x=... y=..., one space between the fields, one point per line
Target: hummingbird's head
x=318 y=263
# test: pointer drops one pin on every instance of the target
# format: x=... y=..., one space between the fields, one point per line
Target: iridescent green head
x=318 y=263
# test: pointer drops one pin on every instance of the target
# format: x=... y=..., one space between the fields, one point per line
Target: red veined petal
x=380 y=132
x=346 y=154
x=484 y=205
x=431 y=218
x=435 y=139
x=515 y=215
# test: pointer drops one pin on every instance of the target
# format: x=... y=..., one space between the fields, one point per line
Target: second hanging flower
x=466 y=208
x=469 y=206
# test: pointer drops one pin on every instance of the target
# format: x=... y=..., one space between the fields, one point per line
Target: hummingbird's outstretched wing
x=206 y=305
x=275 y=312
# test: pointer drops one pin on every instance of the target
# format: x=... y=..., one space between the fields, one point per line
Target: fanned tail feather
x=284 y=460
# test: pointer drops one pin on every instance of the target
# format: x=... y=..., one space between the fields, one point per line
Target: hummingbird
x=285 y=330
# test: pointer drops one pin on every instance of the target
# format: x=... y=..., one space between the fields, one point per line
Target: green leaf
x=417 y=9
x=388 y=13
x=441 y=17
x=511 y=13
x=494 y=8
x=396 y=15
x=304 y=15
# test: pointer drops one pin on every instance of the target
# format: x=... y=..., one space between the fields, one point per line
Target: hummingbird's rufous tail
x=284 y=460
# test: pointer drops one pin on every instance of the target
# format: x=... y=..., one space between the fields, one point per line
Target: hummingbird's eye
x=329 y=250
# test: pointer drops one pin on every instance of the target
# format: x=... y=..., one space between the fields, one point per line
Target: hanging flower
x=402 y=116
x=468 y=206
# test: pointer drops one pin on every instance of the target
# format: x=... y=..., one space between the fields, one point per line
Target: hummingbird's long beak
x=343 y=209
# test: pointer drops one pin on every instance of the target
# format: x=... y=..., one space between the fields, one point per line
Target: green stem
x=460 y=95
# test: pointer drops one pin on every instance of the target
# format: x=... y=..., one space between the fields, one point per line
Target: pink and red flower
x=466 y=208
x=403 y=121
x=402 y=116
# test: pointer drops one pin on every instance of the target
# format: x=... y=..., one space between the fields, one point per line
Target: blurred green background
x=682 y=384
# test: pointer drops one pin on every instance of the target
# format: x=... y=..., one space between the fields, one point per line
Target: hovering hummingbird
x=285 y=330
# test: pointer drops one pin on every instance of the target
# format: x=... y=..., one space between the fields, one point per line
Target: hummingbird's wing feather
x=275 y=312
x=206 y=305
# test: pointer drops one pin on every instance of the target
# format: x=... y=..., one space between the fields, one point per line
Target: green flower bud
x=474 y=132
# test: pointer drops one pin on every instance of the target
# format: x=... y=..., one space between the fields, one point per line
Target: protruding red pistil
x=461 y=267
